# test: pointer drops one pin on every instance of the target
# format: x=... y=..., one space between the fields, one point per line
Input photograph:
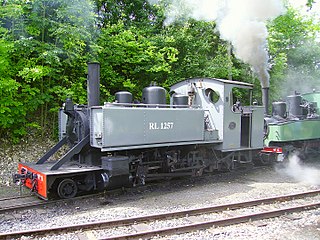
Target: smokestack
x=93 y=84
x=265 y=99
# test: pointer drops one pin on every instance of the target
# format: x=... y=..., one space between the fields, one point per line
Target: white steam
x=241 y=22
x=302 y=173
x=207 y=10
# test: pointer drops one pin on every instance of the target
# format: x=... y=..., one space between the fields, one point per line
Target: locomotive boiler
x=124 y=143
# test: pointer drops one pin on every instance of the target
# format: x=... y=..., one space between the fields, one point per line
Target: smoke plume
x=241 y=22
x=301 y=173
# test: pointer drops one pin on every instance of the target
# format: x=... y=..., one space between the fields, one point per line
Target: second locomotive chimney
x=265 y=99
x=93 y=84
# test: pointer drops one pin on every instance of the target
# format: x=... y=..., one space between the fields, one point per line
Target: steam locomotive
x=293 y=127
x=126 y=144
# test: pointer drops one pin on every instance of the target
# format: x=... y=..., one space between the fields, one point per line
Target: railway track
x=19 y=202
x=30 y=201
x=190 y=220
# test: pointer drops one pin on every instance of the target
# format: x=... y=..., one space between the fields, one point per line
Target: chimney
x=93 y=84
x=265 y=99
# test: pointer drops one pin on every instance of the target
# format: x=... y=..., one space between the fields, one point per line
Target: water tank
x=154 y=95
x=294 y=105
x=279 y=109
x=180 y=100
x=123 y=97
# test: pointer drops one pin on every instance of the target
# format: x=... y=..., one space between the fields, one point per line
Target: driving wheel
x=67 y=188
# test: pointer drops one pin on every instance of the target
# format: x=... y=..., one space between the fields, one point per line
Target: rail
x=182 y=214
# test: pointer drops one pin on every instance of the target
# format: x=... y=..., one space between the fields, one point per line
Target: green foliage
x=310 y=3
x=5 y=47
x=16 y=101
x=45 y=45
x=202 y=53
x=294 y=54
x=131 y=59
x=49 y=47
x=137 y=13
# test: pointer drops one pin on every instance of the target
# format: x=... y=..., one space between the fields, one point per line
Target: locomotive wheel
x=67 y=188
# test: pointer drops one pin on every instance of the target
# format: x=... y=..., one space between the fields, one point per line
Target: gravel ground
x=171 y=196
x=11 y=155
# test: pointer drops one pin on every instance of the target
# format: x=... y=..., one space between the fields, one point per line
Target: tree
x=294 y=54
x=310 y=3
x=46 y=44
x=137 y=13
x=50 y=47
x=131 y=59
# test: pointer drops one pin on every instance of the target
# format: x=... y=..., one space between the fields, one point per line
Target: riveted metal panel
x=141 y=126
x=293 y=131
x=257 y=127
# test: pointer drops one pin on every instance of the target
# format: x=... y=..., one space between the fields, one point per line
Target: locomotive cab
x=239 y=127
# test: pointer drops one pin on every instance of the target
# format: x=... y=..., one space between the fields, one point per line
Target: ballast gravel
x=178 y=194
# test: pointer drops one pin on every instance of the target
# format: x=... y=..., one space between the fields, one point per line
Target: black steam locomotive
x=126 y=144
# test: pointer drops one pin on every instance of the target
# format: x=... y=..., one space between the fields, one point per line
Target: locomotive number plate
x=161 y=125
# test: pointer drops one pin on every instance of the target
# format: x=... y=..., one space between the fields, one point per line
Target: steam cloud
x=302 y=173
x=241 y=22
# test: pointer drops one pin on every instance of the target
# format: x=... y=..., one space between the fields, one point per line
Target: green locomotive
x=294 y=126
